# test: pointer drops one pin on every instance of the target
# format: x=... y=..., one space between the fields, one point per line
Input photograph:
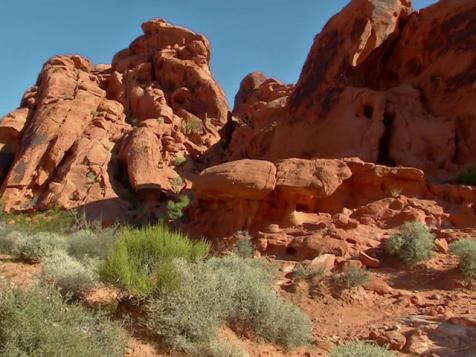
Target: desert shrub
x=38 y=323
x=179 y=161
x=233 y=291
x=7 y=241
x=53 y=220
x=413 y=245
x=353 y=276
x=244 y=248
x=468 y=177
x=87 y=243
x=36 y=246
x=175 y=209
x=465 y=249
x=69 y=274
x=361 y=349
x=140 y=260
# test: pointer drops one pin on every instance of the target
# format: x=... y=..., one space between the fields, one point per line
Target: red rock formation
x=380 y=83
x=325 y=206
x=85 y=134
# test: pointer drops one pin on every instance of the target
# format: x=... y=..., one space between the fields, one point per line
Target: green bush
x=233 y=291
x=413 y=245
x=468 y=177
x=175 y=209
x=352 y=277
x=87 y=243
x=140 y=260
x=244 y=248
x=67 y=273
x=361 y=349
x=36 y=246
x=53 y=220
x=466 y=251
x=38 y=323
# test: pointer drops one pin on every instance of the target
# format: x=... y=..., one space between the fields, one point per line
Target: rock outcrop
x=305 y=208
x=381 y=83
x=87 y=136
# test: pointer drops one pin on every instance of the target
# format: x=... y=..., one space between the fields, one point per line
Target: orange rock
x=233 y=180
x=379 y=286
x=324 y=262
x=368 y=261
x=441 y=246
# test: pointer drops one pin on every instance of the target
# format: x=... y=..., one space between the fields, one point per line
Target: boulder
x=244 y=179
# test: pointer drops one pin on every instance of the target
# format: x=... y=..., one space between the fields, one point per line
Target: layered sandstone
x=304 y=208
x=381 y=83
x=87 y=136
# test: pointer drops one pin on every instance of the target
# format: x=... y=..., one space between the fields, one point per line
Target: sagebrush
x=69 y=274
x=361 y=349
x=465 y=249
x=39 y=323
x=413 y=245
x=33 y=246
x=225 y=291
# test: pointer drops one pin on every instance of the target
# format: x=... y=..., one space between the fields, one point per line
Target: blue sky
x=272 y=36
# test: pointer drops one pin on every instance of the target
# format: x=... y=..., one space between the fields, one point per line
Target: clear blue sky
x=272 y=36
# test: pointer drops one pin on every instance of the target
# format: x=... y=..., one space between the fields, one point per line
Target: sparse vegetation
x=302 y=271
x=352 y=277
x=140 y=260
x=395 y=192
x=33 y=246
x=86 y=243
x=233 y=291
x=177 y=181
x=244 y=248
x=468 y=177
x=192 y=126
x=38 y=323
x=53 y=220
x=413 y=245
x=361 y=349
x=92 y=177
x=175 y=209
x=179 y=161
x=465 y=249
x=67 y=273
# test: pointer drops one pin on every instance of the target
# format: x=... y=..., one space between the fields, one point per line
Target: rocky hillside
x=368 y=161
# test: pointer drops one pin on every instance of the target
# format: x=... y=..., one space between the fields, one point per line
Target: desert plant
x=413 y=245
x=175 y=209
x=179 y=161
x=192 y=126
x=361 y=349
x=395 y=192
x=303 y=271
x=244 y=248
x=468 y=177
x=465 y=249
x=67 y=273
x=36 y=246
x=353 y=276
x=52 y=220
x=87 y=243
x=38 y=323
x=230 y=290
x=140 y=254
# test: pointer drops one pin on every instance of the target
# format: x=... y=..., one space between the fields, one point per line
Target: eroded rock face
x=87 y=136
x=380 y=83
x=325 y=206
